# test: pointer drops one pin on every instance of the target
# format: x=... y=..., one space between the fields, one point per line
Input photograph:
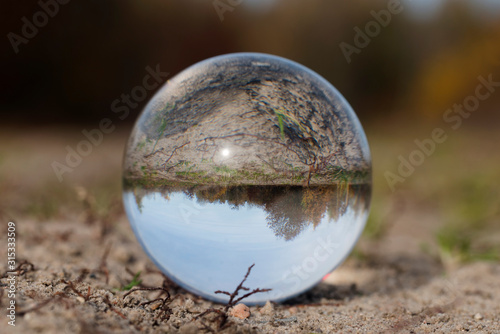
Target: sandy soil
x=85 y=252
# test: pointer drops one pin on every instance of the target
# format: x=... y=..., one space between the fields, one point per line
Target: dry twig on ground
x=232 y=301
x=165 y=310
x=73 y=288
x=103 y=266
x=22 y=268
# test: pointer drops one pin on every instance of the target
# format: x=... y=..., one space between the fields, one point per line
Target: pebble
x=478 y=316
x=240 y=311
x=189 y=304
x=267 y=309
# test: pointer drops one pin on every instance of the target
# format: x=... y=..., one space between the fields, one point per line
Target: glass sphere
x=247 y=159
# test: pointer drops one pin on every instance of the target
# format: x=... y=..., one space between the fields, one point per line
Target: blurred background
x=61 y=76
x=427 y=57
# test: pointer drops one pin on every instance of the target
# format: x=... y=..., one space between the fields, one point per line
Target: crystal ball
x=246 y=159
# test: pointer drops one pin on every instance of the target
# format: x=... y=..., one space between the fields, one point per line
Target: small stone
x=240 y=311
x=189 y=304
x=292 y=310
x=267 y=309
x=424 y=327
x=80 y=299
x=478 y=316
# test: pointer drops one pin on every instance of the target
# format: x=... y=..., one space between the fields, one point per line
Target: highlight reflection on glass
x=242 y=159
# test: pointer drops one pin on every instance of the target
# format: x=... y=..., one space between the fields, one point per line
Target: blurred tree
x=465 y=53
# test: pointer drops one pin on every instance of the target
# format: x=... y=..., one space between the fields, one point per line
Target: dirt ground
x=404 y=276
